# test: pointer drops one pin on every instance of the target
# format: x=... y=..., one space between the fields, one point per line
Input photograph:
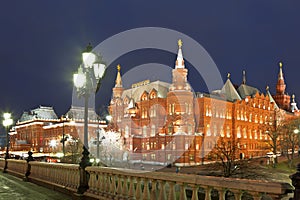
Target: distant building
x=167 y=122
x=41 y=131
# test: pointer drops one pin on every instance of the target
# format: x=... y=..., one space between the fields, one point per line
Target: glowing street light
x=7 y=122
x=88 y=72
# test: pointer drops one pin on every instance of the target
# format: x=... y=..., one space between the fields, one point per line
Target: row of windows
x=241 y=133
x=186 y=108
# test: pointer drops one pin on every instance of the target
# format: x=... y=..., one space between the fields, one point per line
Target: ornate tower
x=116 y=103
x=118 y=89
x=180 y=99
x=281 y=98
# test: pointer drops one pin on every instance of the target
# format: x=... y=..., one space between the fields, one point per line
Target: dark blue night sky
x=41 y=43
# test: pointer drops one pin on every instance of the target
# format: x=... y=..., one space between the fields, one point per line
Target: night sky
x=41 y=43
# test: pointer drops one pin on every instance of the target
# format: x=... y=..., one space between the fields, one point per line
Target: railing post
x=296 y=182
x=84 y=175
x=28 y=169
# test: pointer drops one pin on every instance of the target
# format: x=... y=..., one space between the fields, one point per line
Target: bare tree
x=273 y=132
x=289 y=138
x=226 y=150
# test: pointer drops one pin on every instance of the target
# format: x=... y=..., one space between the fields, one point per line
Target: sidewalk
x=15 y=188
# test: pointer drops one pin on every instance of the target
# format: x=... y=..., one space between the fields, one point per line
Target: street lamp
x=64 y=137
x=89 y=72
x=297 y=131
x=7 y=122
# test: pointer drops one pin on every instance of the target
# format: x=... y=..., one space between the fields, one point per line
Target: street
x=15 y=188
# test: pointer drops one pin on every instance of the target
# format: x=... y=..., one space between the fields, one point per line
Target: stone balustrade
x=113 y=183
x=110 y=183
x=17 y=166
x=66 y=175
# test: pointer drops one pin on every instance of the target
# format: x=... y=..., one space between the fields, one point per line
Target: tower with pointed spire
x=180 y=98
x=118 y=89
x=281 y=98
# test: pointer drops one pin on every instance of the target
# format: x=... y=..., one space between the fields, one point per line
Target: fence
x=113 y=183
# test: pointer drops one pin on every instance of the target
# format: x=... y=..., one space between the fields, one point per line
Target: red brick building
x=41 y=131
x=167 y=122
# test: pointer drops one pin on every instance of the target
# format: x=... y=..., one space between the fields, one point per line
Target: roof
x=271 y=99
x=161 y=87
x=42 y=112
x=230 y=92
x=246 y=90
x=78 y=113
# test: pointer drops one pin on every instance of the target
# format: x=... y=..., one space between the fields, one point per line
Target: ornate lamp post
x=297 y=131
x=7 y=122
x=64 y=137
x=90 y=71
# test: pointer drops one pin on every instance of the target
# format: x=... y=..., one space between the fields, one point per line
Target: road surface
x=13 y=188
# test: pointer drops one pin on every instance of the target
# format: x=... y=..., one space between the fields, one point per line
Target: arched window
x=238 y=133
x=260 y=119
x=238 y=115
x=206 y=111
x=222 y=132
x=260 y=134
x=215 y=130
x=145 y=131
x=250 y=134
x=208 y=132
x=244 y=133
x=228 y=131
x=152 y=130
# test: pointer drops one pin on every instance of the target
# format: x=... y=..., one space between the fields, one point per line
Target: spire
x=244 y=77
x=293 y=97
x=267 y=88
x=119 y=79
x=228 y=75
x=179 y=61
x=280 y=75
x=280 y=87
x=294 y=104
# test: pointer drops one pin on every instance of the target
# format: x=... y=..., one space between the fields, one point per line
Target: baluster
x=92 y=182
x=195 y=192
x=119 y=187
x=112 y=180
x=182 y=191
x=138 y=191
x=222 y=193
x=237 y=194
x=131 y=194
x=101 y=182
x=256 y=195
x=172 y=195
x=162 y=192
x=146 y=193
x=125 y=187
x=108 y=183
x=153 y=189
x=208 y=193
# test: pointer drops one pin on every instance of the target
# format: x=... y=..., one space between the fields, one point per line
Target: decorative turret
x=281 y=98
x=180 y=99
x=280 y=87
x=244 y=77
x=118 y=79
x=294 y=107
x=179 y=61
x=179 y=74
x=118 y=89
